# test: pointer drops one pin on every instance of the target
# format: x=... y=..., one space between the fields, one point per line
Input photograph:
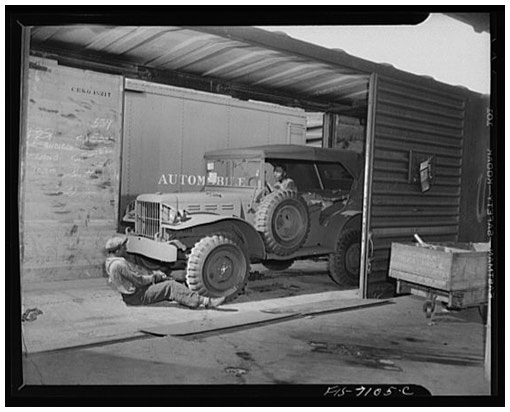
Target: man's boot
x=210 y=303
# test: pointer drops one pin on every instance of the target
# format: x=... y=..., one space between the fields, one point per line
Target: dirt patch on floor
x=302 y=278
x=387 y=358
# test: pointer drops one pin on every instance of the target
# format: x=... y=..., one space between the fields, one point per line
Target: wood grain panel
x=71 y=170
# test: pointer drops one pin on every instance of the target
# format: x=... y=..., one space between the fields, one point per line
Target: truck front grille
x=147 y=219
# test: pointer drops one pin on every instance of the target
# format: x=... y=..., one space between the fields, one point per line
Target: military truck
x=239 y=218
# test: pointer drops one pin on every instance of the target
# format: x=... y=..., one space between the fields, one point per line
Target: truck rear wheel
x=344 y=264
x=282 y=219
x=217 y=266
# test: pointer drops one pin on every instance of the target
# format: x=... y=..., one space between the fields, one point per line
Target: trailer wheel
x=217 y=266
x=282 y=219
x=278 y=265
x=344 y=264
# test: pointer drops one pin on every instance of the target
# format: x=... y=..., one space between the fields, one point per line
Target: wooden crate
x=453 y=274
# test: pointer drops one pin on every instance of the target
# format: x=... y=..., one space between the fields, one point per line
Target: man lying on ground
x=138 y=286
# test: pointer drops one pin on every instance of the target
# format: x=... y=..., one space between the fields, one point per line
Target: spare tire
x=282 y=219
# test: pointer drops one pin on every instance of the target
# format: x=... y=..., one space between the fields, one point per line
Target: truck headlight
x=168 y=215
x=172 y=216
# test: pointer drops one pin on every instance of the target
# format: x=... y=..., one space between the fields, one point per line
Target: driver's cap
x=115 y=243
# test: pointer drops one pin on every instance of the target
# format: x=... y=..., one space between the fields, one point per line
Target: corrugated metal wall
x=413 y=123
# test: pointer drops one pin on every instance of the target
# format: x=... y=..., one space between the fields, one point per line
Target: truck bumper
x=153 y=249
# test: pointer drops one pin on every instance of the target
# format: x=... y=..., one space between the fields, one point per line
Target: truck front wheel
x=344 y=264
x=217 y=266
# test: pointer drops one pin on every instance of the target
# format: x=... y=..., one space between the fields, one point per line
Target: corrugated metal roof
x=216 y=56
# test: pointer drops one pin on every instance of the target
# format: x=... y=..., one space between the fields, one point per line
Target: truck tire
x=278 y=265
x=217 y=266
x=282 y=219
x=344 y=264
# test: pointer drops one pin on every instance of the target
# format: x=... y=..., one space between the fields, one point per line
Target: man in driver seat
x=282 y=180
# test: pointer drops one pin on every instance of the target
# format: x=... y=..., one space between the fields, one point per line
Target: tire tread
x=197 y=258
x=263 y=221
x=336 y=262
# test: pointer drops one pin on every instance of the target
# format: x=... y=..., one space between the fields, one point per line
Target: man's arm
x=137 y=278
x=289 y=184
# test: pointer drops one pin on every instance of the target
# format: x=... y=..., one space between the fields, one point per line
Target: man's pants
x=166 y=290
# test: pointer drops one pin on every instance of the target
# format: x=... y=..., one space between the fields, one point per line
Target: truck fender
x=349 y=219
x=217 y=223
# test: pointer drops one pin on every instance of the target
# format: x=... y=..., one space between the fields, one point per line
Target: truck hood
x=220 y=202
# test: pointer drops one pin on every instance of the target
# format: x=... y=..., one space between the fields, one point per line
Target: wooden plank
x=459 y=299
x=420 y=265
x=470 y=297
x=215 y=324
x=334 y=305
x=252 y=318
x=469 y=270
x=418 y=279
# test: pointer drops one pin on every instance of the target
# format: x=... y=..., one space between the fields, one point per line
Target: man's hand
x=159 y=276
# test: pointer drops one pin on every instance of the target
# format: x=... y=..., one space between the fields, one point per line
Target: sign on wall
x=70 y=170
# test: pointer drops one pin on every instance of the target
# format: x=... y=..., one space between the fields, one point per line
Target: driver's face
x=278 y=174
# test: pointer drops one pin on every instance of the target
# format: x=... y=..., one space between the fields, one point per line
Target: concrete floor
x=392 y=343
x=88 y=311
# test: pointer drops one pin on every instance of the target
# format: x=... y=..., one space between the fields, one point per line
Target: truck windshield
x=233 y=173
